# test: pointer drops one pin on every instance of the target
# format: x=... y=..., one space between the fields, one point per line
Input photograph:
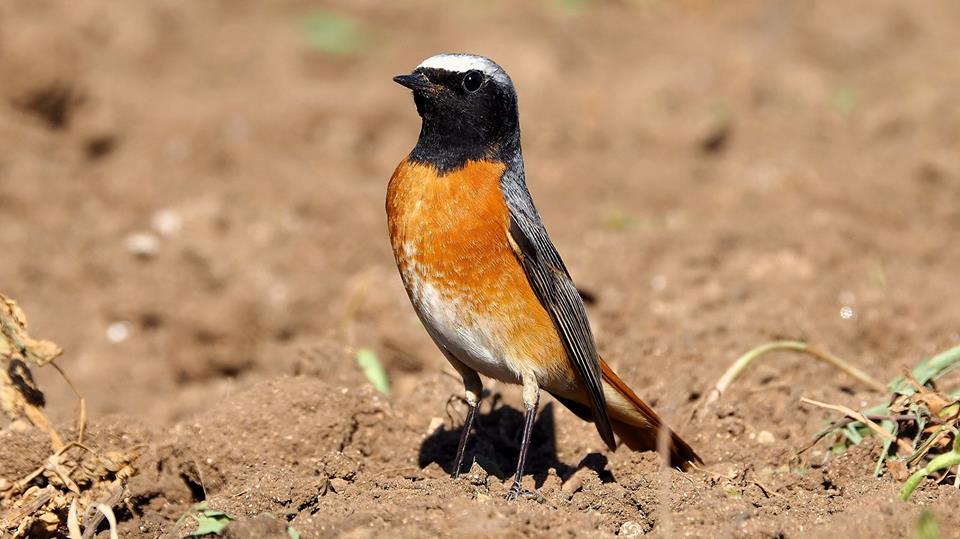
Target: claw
x=516 y=491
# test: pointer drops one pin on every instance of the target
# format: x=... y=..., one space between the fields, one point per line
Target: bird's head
x=467 y=103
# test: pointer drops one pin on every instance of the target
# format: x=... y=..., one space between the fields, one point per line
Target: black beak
x=415 y=81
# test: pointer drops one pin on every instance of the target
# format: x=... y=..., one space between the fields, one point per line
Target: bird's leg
x=531 y=401
x=464 y=436
x=473 y=388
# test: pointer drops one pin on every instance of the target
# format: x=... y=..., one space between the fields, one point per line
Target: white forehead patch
x=461 y=63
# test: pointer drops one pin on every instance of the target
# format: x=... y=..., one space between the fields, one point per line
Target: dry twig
x=796 y=346
x=902 y=444
x=65 y=482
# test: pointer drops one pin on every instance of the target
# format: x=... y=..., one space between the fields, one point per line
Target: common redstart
x=481 y=271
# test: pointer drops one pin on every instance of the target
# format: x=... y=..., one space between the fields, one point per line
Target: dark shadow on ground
x=495 y=445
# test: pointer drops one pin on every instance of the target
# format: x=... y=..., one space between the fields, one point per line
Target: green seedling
x=915 y=422
x=845 y=99
x=914 y=407
x=941 y=462
x=373 y=369
x=209 y=521
x=927 y=527
x=331 y=33
x=572 y=6
x=927 y=370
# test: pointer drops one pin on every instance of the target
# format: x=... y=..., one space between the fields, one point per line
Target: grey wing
x=555 y=289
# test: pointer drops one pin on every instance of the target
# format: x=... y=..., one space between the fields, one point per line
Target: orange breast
x=449 y=237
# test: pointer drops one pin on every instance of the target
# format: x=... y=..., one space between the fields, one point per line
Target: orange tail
x=637 y=425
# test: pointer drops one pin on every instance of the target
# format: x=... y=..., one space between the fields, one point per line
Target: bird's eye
x=472 y=81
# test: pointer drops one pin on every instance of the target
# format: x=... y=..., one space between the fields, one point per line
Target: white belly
x=474 y=341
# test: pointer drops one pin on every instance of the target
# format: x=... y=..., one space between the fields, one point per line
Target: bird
x=481 y=272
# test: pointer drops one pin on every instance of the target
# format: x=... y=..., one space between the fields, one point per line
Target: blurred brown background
x=191 y=192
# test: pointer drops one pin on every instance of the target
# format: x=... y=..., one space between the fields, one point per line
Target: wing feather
x=555 y=289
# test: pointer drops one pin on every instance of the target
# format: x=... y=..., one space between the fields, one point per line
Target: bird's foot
x=517 y=491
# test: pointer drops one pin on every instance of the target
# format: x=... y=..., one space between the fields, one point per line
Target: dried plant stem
x=860 y=417
x=82 y=413
x=73 y=523
x=928 y=444
x=98 y=514
x=21 y=514
x=19 y=396
x=795 y=346
x=39 y=420
x=111 y=519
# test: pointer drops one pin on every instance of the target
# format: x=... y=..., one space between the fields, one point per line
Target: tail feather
x=637 y=425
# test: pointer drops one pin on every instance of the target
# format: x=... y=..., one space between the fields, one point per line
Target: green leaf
x=197 y=507
x=845 y=99
x=853 y=433
x=373 y=369
x=926 y=526
x=572 y=6
x=940 y=462
x=937 y=366
x=331 y=33
x=892 y=428
x=880 y=409
x=950 y=410
x=733 y=493
x=293 y=533
x=616 y=219
x=927 y=370
x=211 y=522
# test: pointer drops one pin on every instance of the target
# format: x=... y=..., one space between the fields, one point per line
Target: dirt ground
x=191 y=204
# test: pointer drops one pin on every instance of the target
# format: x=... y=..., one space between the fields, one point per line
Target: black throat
x=454 y=132
x=449 y=150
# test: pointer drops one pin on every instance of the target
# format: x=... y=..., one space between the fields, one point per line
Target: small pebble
x=631 y=529
x=143 y=244
x=658 y=282
x=765 y=437
x=118 y=332
x=166 y=222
